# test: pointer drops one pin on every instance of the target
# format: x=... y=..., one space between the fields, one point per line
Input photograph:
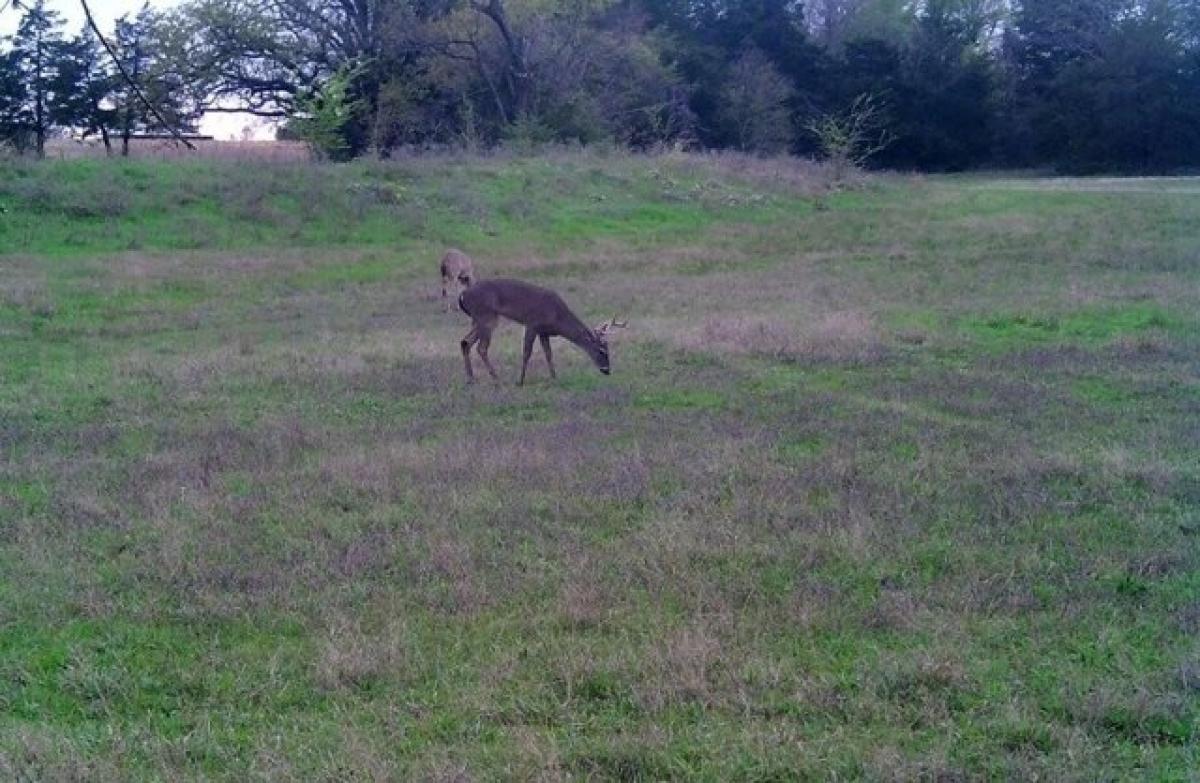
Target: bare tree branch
x=137 y=90
x=850 y=137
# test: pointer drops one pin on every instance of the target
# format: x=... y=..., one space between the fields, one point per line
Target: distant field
x=170 y=150
x=1160 y=185
x=896 y=482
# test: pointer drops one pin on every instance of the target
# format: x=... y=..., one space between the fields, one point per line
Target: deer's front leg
x=526 y=353
x=545 y=341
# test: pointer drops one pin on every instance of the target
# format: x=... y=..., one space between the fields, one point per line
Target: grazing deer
x=544 y=315
x=456 y=268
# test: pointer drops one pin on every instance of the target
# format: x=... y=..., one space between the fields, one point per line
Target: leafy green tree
x=1046 y=37
x=530 y=72
x=708 y=38
x=1078 y=83
x=754 y=105
x=936 y=82
x=1133 y=105
x=82 y=87
x=139 y=46
x=1107 y=84
x=326 y=119
x=36 y=49
x=945 y=120
x=12 y=102
x=265 y=57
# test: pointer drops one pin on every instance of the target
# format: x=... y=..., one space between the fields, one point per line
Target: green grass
x=901 y=487
x=76 y=208
x=1088 y=326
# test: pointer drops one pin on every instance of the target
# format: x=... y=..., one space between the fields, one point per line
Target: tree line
x=51 y=82
x=1079 y=85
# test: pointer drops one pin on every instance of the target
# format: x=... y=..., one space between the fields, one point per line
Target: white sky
x=223 y=126
x=105 y=10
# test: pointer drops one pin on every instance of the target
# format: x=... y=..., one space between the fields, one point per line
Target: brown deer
x=544 y=315
x=456 y=269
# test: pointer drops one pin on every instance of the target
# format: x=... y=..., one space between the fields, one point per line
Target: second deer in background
x=457 y=272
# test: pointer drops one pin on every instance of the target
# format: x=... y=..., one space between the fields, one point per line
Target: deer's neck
x=577 y=332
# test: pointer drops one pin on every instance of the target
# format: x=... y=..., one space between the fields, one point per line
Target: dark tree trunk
x=127 y=130
x=39 y=101
x=518 y=77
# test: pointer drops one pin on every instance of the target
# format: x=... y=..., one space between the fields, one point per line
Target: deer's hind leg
x=483 y=335
x=545 y=341
x=469 y=340
x=526 y=353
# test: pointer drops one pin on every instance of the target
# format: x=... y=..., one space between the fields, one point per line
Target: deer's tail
x=462 y=306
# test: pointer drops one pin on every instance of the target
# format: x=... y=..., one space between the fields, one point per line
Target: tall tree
x=1133 y=105
x=36 y=48
x=710 y=40
x=12 y=102
x=754 y=105
x=1046 y=37
x=581 y=70
x=954 y=83
x=138 y=43
x=263 y=57
x=82 y=87
x=945 y=117
x=1107 y=84
x=934 y=84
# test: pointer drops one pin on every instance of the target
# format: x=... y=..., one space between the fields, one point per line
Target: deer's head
x=600 y=333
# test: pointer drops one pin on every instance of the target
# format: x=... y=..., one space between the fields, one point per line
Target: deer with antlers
x=541 y=311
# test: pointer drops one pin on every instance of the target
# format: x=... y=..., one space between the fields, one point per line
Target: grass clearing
x=894 y=483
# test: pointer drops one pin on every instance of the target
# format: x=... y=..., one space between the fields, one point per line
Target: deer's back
x=455 y=262
x=516 y=300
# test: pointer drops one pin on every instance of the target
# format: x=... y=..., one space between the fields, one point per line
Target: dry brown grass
x=205 y=149
x=585 y=600
x=684 y=667
x=796 y=175
x=34 y=754
x=351 y=658
x=847 y=337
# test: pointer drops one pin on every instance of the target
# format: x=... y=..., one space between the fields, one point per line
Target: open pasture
x=895 y=482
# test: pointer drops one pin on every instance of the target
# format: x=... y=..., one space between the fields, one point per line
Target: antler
x=611 y=324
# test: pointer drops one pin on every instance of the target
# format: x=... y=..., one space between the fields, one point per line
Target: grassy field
x=896 y=482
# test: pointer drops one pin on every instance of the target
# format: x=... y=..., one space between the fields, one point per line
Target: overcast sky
x=106 y=12
x=223 y=126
